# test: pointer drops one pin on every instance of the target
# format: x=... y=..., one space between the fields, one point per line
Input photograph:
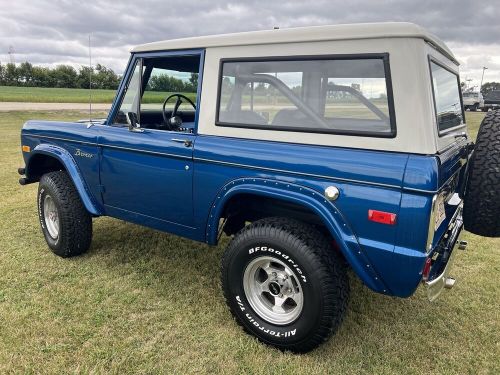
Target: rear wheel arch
x=337 y=228
x=302 y=200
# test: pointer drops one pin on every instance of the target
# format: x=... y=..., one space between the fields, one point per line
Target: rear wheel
x=482 y=198
x=66 y=224
x=285 y=284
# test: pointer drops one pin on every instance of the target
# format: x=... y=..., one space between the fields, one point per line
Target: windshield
x=446 y=88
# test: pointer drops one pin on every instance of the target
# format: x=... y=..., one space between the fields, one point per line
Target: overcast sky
x=56 y=32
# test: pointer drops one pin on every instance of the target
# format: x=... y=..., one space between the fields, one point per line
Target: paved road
x=18 y=106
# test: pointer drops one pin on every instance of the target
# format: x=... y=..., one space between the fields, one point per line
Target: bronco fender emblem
x=84 y=154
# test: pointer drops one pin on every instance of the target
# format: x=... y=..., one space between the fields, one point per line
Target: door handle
x=186 y=142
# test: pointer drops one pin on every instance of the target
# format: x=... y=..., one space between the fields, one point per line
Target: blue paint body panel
x=150 y=179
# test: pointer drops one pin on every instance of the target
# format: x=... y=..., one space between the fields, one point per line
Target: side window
x=130 y=101
x=337 y=95
x=345 y=103
x=162 y=93
x=164 y=82
x=266 y=100
x=446 y=90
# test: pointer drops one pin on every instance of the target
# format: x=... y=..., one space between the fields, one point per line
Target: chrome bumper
x=436 y=286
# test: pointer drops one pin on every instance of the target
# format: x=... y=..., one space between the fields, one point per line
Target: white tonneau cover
x=304 y=34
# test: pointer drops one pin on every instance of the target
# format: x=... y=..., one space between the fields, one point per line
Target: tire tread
x=76 y=221
x=329 y=268
x=482 y=200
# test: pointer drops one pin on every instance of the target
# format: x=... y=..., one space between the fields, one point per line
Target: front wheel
x=66 y=224
x=285 y=284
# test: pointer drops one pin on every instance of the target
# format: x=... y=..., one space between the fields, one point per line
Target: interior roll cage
x=243 y=79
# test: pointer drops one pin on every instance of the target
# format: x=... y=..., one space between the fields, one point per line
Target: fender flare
x=65 y=158
x=309 y=198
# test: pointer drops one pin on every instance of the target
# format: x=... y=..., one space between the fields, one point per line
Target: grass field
x=54 y=95
x=147 y=302
x=57 y=95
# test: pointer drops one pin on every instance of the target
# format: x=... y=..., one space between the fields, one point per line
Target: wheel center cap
x=274 y=288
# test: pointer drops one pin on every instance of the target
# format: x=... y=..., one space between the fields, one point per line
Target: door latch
x=187 y=142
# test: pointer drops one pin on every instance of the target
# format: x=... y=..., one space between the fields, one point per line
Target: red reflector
x=426 y=269
x=382 y=217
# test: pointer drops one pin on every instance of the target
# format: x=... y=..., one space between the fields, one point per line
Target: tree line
x=488 y=87
x=485 y=89
x=165 y=82
x=63 y=76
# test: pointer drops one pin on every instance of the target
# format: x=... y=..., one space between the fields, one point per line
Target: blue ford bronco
x=317 y=149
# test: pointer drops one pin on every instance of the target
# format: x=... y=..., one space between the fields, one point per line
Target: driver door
x=146 y=169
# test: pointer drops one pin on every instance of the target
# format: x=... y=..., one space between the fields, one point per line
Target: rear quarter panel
x=366 y=180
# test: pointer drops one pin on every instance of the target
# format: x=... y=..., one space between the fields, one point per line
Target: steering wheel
x=174 y=122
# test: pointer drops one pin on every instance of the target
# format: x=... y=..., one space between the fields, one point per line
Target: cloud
x=54 y=32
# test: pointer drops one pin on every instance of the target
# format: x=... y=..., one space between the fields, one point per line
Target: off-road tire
x=75 y=222
x=324 y=282
x=482 y=196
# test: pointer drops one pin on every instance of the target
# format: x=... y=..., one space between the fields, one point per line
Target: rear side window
x=341 y=95
x=447 y=101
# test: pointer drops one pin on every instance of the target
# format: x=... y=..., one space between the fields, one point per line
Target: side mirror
x=133 y=125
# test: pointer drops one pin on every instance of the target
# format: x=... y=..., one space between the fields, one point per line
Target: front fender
x=332 y=218
x=65 y=158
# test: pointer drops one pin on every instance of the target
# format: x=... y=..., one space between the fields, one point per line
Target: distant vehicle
x=492 y=100
x=473 y=100
x=319 y=149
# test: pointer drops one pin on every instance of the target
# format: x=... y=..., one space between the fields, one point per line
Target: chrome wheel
x=51 y=217
x=273 y=290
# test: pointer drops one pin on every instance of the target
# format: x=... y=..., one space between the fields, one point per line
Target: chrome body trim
x=432 y=220
x=435 y=286
x=61 y=139
x=332 y=178
x=145 y=151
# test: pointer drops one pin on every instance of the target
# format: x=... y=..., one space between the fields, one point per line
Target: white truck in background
x=473 y=100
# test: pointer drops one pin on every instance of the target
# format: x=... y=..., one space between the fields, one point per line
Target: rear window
x=342 y=95
x=446 y=88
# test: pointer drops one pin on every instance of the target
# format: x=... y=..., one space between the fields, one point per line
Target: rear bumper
x=446 y=254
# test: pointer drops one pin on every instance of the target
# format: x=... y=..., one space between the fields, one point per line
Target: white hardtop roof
x=304 y=34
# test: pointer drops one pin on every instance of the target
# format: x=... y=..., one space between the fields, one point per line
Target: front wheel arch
x=49 y=158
